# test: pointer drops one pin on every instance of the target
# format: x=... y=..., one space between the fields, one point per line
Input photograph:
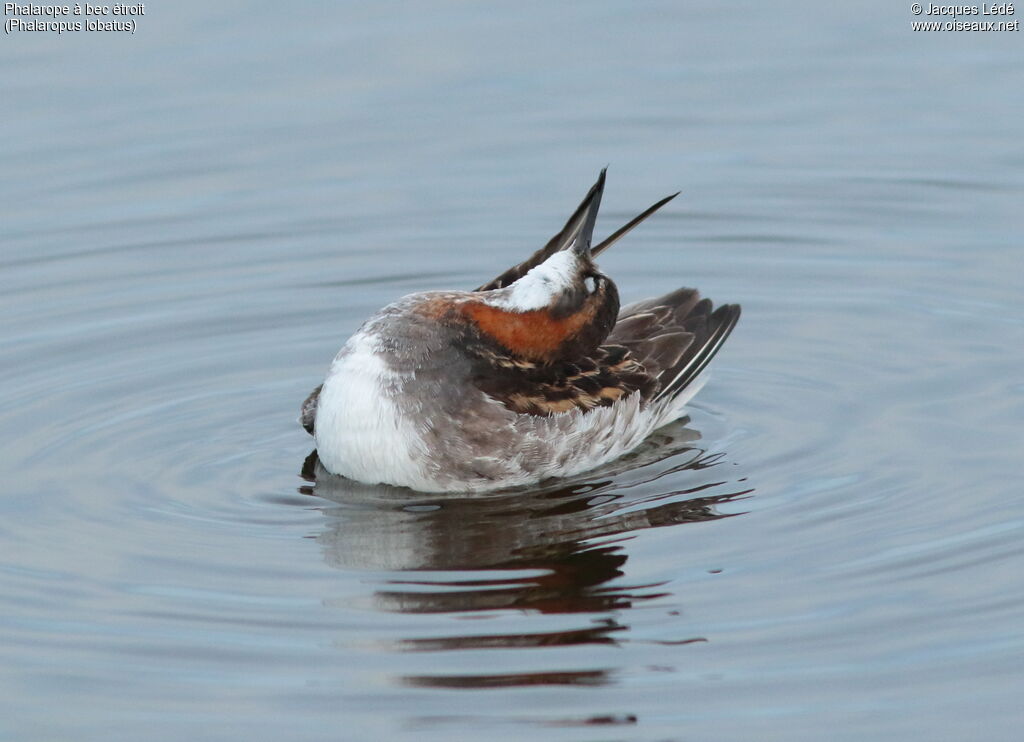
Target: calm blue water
x=193 y=218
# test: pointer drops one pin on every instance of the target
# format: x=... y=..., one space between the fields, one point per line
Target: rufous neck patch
x=534 y=335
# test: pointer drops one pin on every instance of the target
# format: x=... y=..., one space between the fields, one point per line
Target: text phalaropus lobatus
x=535 y=374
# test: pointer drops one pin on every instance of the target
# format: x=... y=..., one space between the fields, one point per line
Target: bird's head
x=563 y=308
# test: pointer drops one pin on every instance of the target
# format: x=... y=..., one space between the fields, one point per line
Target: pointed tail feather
x=577 y=233
x=628 y=226
x=579 y=225
x=581 y=221
x=582 y=239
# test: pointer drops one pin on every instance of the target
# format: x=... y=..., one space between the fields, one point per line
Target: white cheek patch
x=542 y=285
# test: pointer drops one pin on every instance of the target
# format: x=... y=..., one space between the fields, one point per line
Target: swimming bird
x=533 y=375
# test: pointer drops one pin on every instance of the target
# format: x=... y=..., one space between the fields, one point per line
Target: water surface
x=194 y=218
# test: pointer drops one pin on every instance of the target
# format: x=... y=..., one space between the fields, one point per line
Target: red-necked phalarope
x=535 y=374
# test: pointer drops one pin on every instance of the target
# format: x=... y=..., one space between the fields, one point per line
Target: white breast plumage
x=359 y=431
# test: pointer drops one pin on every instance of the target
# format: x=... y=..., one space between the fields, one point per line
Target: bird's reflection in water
x=555 y=549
